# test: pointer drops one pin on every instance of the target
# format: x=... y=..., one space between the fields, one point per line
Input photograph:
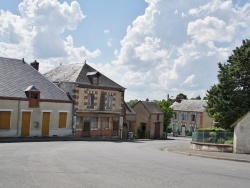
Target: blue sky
x=151 y=47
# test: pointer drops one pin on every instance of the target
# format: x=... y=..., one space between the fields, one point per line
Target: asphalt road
x=114 y=164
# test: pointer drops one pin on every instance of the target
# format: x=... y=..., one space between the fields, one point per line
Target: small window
x=34 y=99
x=95 y=80
x=175 y=115
x=192 y=117
x=62 y=119
x=109 y=101
x=105 y=122
x=4 y=120
x=94 y=123
x=90 y=101
x=184 y=116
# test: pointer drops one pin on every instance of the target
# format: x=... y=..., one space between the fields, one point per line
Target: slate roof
x=16 y=76
x=77 y=73
x=190 y=105
x=152 y=107
x=129 y=110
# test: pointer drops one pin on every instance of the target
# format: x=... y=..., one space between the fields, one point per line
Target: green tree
x=197 y=98
x=167 y=110
x=132 y=102
x=180 y=96
x=230 y=98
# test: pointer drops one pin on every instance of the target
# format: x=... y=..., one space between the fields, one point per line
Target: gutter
x=18 y=117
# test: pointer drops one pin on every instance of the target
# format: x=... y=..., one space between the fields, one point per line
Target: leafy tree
x=168 y=112
x=180 y=96
x=132 y=102
x=197 y=98
x=230 y=98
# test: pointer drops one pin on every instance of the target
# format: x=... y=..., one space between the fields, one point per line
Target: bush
x=211 y=129
x=189 y=133
x=221 y=141
x=229 y=141
x=212 y=134
x=169 y=129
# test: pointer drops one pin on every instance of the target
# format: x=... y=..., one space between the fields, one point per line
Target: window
x=4 y=120
x=94 y=123
x=109 y=101
x=90 y=101
x=34 y=99
x=62 y=119
x=95 y=80
x=105 y=122
x=175 y=115
x=192 y=117
x=184 y=116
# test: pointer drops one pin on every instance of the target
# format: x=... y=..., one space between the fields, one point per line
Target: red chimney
x=35 y=65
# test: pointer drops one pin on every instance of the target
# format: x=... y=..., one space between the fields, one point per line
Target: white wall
x=241 y=135
x=17 y=107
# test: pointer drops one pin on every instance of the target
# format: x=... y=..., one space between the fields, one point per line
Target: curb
x=209 y=156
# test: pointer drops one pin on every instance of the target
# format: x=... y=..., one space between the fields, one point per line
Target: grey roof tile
x=78 y=73
x=151 y=106
x=129 y=110
x=190 y=105
x=16 y=76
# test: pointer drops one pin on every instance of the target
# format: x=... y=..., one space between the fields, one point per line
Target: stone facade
x=98 y=101
x=149 y=119
x=189 y=115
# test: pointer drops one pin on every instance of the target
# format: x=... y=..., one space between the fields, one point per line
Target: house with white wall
x=31 y=105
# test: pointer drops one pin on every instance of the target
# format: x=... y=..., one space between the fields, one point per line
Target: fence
x=213 y=137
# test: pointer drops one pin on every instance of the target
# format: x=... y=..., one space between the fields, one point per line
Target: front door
x=45 y=124
x=86 y=128
x=115 y=127
x=25 y=130
x=157 y=130
x=183 y=131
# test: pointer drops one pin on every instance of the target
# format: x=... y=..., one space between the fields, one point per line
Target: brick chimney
x=35 y=65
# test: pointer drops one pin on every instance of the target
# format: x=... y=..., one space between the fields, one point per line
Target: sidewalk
x=51 y=139
x=185 y=150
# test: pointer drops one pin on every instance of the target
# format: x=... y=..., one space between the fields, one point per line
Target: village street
x=114 y=164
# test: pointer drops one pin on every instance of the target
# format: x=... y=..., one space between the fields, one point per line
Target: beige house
x=30 y=105
x=189 y=115
x=99 y=101
x=241 y=142
x=149 y=119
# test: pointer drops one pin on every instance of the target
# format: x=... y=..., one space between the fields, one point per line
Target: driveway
x=114 y=164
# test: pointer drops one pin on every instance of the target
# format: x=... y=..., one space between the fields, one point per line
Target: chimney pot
x=35 y=65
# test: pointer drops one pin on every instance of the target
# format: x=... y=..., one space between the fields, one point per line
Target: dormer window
x=93 y=77
x=33 y=94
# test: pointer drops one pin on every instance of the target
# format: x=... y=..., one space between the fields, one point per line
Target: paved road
x=114 y=164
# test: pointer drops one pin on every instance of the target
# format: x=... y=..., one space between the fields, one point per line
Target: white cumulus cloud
x=37 y=32
x=166 y=52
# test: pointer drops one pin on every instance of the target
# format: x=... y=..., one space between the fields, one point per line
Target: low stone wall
x=201 y=146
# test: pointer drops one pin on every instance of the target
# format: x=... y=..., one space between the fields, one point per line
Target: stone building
x=189 y=115
x=149 y=119
x=99 y=101
x=31 y=105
